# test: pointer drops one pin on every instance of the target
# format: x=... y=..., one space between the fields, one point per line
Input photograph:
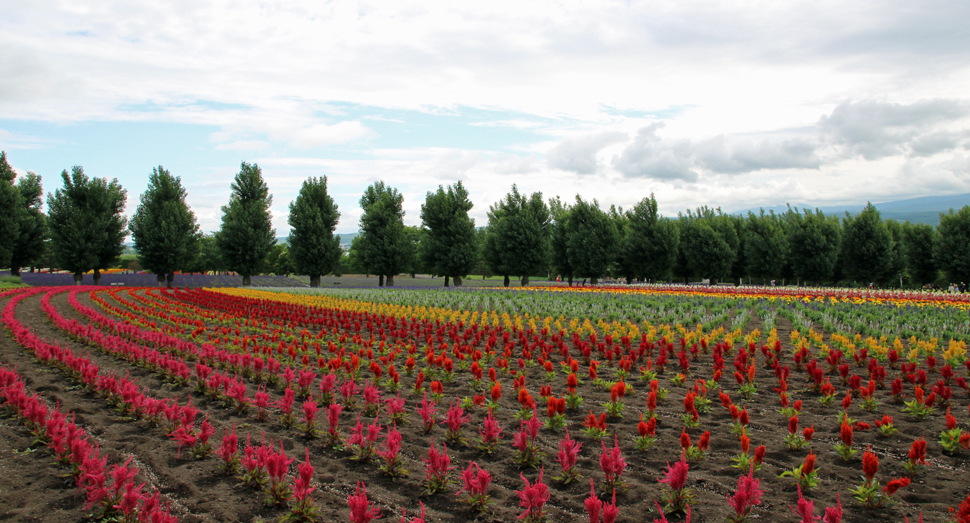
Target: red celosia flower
x=647 y=428
x=846 y=433
x=684 y=438
x=847 y=401
x=496 y=391
x=759 y=453
x=870 y=464
x=704 y=440
x=792 y=424
x=951 y=422
x=808 y=432
x=745 y=443
x=809 y=466
x=964 y=440
x=743 y=418
x=895 y=485
x=917 y=452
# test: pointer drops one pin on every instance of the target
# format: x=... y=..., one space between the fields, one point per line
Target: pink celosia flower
x=593 y=504
x=532 y=498
x=747 y=495
x=676 y=476
x=612 y=463
x=360 y=507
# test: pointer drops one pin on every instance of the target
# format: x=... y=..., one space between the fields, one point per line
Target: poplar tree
x=650 y=246
x=163 y=228
x=765 y=245
x=87 y=225
x=951 y=247
x=383 y=247
x=591 y=239
x=313 y=248
x=448 y=246
x=10 y=210
x=29 y=245
x=867 y=247
x=247 y=233
x=517 y=239
x=814 y=241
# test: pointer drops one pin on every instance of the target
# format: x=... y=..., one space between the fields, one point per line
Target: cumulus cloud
x=649 y=156
x=875 y=129
x=732 y=156
x=579 y=154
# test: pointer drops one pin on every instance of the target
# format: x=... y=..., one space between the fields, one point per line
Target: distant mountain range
x=926 y=209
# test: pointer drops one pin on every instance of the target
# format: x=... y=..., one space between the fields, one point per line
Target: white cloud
x=243 y=145
x=579 y=154
x=873 y=129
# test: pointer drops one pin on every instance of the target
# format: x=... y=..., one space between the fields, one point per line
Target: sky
x=730 y=104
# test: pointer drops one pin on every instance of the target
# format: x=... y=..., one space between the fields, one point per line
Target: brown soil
x=32 y=489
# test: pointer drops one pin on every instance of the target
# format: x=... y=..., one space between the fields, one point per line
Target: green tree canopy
x=247 y=233
x=87 y=225
x=314 y=250
x=918 y=242
x=951 y=249
x=867 y=247
x=558 y=239
x=382 y=246
x=517 y=236
x=10 y=211
x=649 y=247
x=209 y=259
x=591 y=239
x=813 y=244
x=163 y=228
x=280 y=262
x=765 y=245
x=29 y=246
x=448 y=247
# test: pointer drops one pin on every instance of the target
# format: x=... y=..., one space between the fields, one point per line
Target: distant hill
x=345 y=239
x=925 y=209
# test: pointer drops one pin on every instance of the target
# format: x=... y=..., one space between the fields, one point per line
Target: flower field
x=552 y=404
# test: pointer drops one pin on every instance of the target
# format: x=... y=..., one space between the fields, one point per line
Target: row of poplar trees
x=524 y=236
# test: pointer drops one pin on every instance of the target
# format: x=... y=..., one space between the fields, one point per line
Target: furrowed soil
x=33 y=488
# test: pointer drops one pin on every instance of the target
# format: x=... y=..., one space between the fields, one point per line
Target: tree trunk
x=380 y=280
x=570 y=279
x=446 y=280
x=592 y=280
x=247 y=280
x=390 y=280
x=629 y=280
x=15 y=271
x=97 y=277
x=457 y=281
x=161 y=279
x=524 y=281
x=315 y=280
x=170 y=280
x=78 y=276
x=506 y=280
